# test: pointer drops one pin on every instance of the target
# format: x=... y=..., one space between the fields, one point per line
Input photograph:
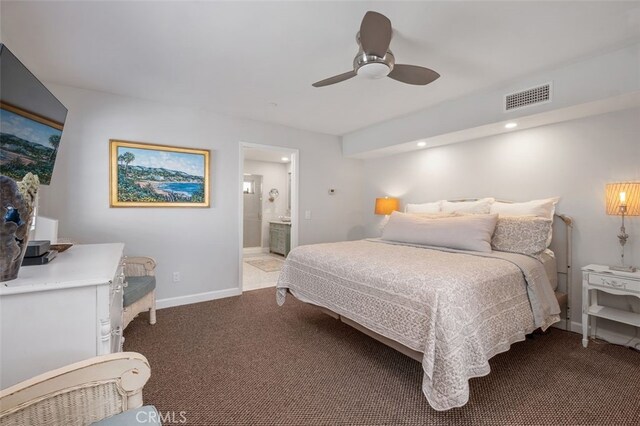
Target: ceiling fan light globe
x=374 y=70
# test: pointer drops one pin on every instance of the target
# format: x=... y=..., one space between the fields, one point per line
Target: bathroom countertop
x=279 y=222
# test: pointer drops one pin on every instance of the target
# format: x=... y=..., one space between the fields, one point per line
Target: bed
x=450 y=309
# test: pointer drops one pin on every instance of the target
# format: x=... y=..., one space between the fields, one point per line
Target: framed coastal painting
x=146 y=175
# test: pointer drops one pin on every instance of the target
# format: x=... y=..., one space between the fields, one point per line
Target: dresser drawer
x=614 y=282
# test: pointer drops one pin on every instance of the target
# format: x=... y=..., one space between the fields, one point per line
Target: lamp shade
x=387 y=205
x=623 y=194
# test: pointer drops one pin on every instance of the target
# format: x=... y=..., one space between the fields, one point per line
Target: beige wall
x=201 y=244
x=573 y=160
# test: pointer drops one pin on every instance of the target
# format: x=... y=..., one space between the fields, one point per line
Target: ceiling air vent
x=524 y=98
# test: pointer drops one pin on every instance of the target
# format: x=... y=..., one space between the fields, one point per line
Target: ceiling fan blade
x=413 y=74
x=375 y=34
x=335 y=79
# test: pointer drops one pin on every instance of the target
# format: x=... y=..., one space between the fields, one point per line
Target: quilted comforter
x=458 y=308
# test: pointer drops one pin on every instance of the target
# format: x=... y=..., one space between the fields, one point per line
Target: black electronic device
x=37 y=248
x=40 y=260
x=31 y=121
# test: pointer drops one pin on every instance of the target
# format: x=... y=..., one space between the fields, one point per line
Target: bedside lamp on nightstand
x=623 y=199
x=386 y=206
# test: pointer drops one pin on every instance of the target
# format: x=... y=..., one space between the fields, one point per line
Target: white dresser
x=56 y=314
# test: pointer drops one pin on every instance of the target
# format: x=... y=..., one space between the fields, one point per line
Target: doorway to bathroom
x=268 y=205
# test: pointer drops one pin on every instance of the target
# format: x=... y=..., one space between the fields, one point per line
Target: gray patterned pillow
x=521 y=234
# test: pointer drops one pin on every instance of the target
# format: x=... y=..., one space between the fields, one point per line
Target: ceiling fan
x=375 y=60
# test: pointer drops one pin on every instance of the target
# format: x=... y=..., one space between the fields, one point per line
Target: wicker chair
x=78 y=394
x=140 y=267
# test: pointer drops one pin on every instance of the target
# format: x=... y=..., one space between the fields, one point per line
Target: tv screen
x=31 y=121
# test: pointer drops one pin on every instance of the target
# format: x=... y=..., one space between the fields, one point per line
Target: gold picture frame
x=150 y=175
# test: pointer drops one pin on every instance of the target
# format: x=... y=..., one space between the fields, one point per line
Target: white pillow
x=423 y=208
x=460 y=232
x=482 y=206
x=539 y=208
x=434 y=215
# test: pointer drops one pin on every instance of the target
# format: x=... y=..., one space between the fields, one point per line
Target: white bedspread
x=458 y=308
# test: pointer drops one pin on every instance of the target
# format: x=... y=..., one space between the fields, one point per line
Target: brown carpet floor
x=246 y=361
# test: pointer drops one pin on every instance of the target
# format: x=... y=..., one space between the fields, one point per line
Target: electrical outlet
x=176 y=277
x=307 y=214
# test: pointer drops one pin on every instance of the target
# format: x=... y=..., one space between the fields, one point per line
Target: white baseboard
x=197 y=298
x=255 y=250
x=610 y=336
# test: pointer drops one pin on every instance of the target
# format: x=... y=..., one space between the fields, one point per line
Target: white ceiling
x=241 y=58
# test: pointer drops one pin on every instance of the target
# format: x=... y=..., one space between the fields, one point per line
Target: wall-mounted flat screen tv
x=31 y=121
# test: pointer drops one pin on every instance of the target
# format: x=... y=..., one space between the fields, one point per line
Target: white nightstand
x=599 y=277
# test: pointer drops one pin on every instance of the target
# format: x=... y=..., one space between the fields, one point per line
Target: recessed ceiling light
x=285 y=158
x=511 y=125
x=421 y=144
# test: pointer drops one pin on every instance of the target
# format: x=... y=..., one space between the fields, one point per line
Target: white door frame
x=295 y=160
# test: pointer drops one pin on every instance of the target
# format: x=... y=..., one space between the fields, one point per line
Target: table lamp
x=623 y=199
x=386 y=206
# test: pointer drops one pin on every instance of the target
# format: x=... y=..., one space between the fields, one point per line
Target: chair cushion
x=137 y=288
x=147 y=415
